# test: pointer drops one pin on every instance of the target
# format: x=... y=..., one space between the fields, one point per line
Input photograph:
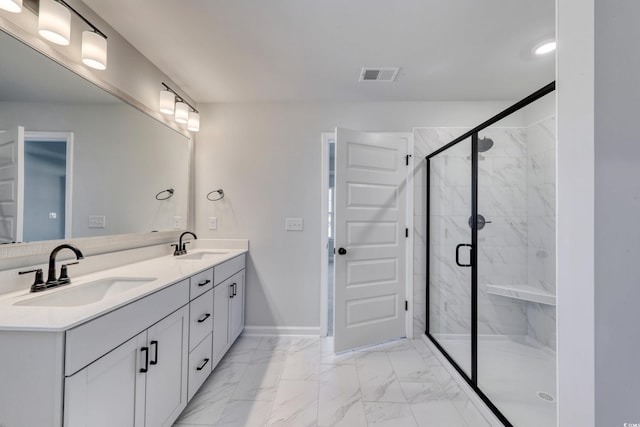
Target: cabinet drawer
x=89 y=341
x=228 y=268
x=199 y=365
x=201 y=315
x=201 y=283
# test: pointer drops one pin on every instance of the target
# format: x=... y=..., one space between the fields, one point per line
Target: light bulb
x=545 y=48
x=194 y=121
x=94 y=50
x=54 y=22
x=13 y=6
x=182 y=112
x=167 y=102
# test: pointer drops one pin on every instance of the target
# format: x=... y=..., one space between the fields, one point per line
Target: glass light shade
x=13 y=6
x=94 y=50
x=194 y=121
x=182 y=112
x=545 y=48
x=54 y=22
x=167 y=102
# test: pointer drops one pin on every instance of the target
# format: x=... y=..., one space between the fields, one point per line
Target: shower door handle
x=458 y=254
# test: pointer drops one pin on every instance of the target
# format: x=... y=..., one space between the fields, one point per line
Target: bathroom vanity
x=128 y=346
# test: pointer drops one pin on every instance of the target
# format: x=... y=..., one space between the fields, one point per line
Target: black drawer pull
x=202 y=365
x=146 y=359
x=155 y=354
x=204 y=282
x=204 y=317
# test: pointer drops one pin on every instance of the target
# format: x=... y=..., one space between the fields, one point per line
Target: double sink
x=98 y=290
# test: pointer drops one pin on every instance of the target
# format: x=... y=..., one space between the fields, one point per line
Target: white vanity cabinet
x=140 y=383
x=228 y=299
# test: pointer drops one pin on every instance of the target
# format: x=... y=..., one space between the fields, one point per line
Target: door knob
x=342 y=251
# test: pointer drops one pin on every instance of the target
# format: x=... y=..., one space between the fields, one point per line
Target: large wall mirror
x=76 y=161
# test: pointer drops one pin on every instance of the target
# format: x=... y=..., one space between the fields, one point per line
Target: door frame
x=326 y=139
x=67 y=137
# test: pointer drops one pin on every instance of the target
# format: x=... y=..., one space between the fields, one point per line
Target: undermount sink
x=201 y=255
x=87 y=293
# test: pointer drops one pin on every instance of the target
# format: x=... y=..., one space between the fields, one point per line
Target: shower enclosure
x=491 y=259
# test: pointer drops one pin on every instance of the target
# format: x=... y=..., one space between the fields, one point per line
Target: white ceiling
x=313 y=50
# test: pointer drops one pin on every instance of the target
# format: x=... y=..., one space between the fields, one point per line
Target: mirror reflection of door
x=47 y=166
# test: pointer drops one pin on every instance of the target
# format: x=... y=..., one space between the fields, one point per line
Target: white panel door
x=370 y=212
x=11 y=181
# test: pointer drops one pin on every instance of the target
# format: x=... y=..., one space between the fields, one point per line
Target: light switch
x=293 y=224
x=97 y=221
x=53 y=215
x=213 y=223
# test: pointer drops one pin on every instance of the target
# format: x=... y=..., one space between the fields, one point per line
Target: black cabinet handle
x=458 y=254
x=146 y=359
x=230 y=291
x=204 y=317
x=155 y=353
x=342 y=251
x=235 y=289
x=204 y=282
x=202 y=365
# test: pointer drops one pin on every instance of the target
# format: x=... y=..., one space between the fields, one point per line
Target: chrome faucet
x=39 y=284
x=180 y=247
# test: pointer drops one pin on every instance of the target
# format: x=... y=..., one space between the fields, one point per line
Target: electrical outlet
x=293 y=224
x=97 y=221
x=177 y=222
x=53 y=215
x=213 y=223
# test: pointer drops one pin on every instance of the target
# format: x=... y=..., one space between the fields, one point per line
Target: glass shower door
x=450 y=257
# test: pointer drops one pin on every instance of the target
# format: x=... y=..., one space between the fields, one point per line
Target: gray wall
x=617 y=205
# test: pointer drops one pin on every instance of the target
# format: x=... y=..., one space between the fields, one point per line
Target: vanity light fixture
x=54 y=24
x=184 y=113
x=13 y=6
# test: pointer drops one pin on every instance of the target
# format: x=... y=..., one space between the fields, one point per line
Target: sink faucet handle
x=176 y=252
x=64 y=276
x=38 y=282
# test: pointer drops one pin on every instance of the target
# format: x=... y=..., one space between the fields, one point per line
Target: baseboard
x=466 y=388
x=303 y=331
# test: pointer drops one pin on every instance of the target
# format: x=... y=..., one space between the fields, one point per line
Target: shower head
x=484 y=144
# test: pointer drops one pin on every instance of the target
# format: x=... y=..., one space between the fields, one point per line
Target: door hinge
x=406 y=305
x=406 y=232
x=406 y=158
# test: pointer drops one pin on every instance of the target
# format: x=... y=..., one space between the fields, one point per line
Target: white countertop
x=166 y=269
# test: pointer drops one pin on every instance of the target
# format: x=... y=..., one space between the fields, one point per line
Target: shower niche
x=490 y=246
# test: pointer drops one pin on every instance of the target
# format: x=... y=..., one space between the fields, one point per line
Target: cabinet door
x=110 y=391
x=221 y=294
x=166 y=388
x=236 y=315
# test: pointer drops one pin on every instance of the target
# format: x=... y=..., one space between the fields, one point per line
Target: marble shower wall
x=541 y=244
x=507 y=198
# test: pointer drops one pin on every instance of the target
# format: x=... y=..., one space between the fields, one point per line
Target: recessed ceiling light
x=545 y=48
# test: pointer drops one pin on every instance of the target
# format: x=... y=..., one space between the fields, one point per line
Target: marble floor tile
x=378 y=380
x=295 y=404
x=409 y=365
x=389 y=415
x=245 y=413
x=340 y=400
x=259 y=382
x=302 y=365
x=275 y=343
x=416 y=392
x=437 y=413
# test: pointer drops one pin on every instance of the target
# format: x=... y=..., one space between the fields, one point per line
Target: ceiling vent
x=379 y=74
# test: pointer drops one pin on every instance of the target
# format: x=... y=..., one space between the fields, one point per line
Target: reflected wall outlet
x=213 y=223
x=293 y=224
x=97 y=221
x=177 y=222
